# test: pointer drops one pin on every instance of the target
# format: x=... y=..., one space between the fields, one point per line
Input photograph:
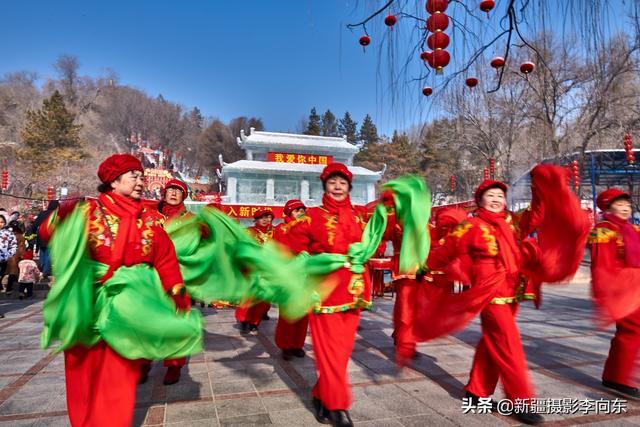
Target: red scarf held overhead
x=507 y=246
x=347 y=230
x=172 y=211
x=128 y=212
x=630 y=237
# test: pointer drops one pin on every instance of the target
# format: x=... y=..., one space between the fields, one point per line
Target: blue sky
x=270 y=59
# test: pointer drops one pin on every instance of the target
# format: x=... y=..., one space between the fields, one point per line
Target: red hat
x=608 y=196
x=262 y=212
x=487 y=184
x=116 y=165
x=448 y=217
x=336 y=168
x=28 y=254
x=176 y=183
x=292 y=205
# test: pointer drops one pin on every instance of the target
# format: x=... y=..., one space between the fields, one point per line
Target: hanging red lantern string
x=492 y=168
x=628 y=149
x=471 y=82
x=390 y=21
x=527 y=67
x=487 y=5
x=452 y=183
x=497 y=62
x=438 y=41
x=485 y=173
x=427 y=90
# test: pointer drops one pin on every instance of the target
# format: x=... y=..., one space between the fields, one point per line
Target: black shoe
x=144 y=373
x=287 y=354
x=253 y=329
x=1 y=316
x=320 y=412
x=529 y=418
x=340 y=418
x=298 y=352
x=244 y=328
x=626 y=390
x=266 y=316
x=475 y=401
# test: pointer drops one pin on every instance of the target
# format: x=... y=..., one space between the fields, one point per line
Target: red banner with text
x=307 y=159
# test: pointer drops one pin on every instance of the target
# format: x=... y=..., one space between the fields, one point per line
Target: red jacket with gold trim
x=316 y=233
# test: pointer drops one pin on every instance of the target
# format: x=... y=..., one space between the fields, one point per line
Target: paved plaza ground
x=242 y=380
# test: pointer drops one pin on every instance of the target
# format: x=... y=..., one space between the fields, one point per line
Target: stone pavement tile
x=247 y=420
x=52 y=422
x=229 y=387
x=378 y=423
x=273 y=382
x=213 y=422
x=228 y=408
x=190 y=412
x=393 y=400
x=8 y=380
x=364 y=408
x=191 y=387
x=25 y=406
x=139 y=416
x=285 y=402
x=58 y=404
x=294 y=417
x=14 y=368
x=47 y=379
x=425 y=420
x=619 y=422
x=39 y=390
x=17 y=423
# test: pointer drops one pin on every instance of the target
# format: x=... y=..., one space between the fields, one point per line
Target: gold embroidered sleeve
x=461 y=229
x=601 y=235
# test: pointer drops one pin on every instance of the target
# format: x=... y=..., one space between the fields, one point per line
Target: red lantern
x=426 y=56
x=487 y=5
x=365 y=40
x=492 y=167
x=427 y=90
x=575 y=169
x=485 y=173
x=434 y=6
x=5 y=180
x=628 y=148
x=527 y=67
x=497 y=62
x=437 y=22
x=471 y=82
x=439 y=60
x=438 y=40
x=50 y=192
x=452 y=183
x=390 y=20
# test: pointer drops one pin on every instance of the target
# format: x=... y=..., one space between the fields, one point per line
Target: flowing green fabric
x=129 y=311
x=225 y=262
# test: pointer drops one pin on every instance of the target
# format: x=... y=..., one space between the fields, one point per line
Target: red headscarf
x=172 y=211
x=292 y=205
x=114 y=166
x=336 y=168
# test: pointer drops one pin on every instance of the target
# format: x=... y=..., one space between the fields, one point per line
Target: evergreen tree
x=50 y=137
x=349 y=128
x=195 y=117
x=313 y=126
x=329 y=125
x=368 y=131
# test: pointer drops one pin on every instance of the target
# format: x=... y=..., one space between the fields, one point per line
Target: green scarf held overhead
x=130 y=311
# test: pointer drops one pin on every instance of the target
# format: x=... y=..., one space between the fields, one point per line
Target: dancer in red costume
x=331 y=228
x=290 y=336
x=251 y=313
x=615 y=272
x=101 y=384
x=170 y=208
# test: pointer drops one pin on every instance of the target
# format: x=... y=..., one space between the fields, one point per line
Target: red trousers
x=252 y=312
x=499 y=354
x=101 y=386
x=403 y=317
x=333 y=336
x=291 y=335
x=623 y=354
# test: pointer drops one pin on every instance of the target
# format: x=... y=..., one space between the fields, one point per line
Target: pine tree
x=50 y=137
x=368 y=131
x=329 y=126
x=313 y=127
x=349 y=128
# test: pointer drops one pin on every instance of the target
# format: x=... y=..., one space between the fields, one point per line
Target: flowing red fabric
x=172 y=211
x=509 y=251
x=128 y=212
x=630 y=237
x=347 y=227
x=562 y=234
x=616 y=292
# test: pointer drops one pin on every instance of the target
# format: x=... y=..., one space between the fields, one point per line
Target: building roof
x=254 y=166
x=294 y=142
